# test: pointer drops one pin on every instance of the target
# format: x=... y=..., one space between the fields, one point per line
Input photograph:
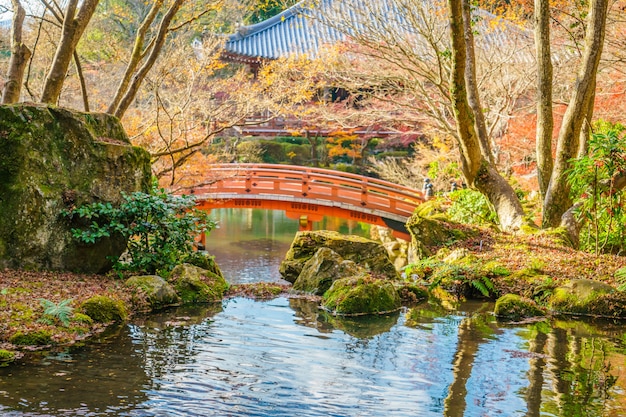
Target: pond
x=285 y=357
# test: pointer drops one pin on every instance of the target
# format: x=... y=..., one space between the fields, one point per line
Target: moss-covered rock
x=205 y=261
x=366 y=253
x=158 y=291
x=429 y=228
x=81 y=318
x=103 y=309
x=319 y=272
x=6 y=357
x=588 y=297
x=514 y=307
x=361 y=295
x=34 y=338
x=51 y=160
x=197 y=285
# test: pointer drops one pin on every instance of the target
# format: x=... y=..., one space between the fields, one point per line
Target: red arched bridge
x=308 y=194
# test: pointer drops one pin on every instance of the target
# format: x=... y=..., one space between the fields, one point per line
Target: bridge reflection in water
x=308 y=194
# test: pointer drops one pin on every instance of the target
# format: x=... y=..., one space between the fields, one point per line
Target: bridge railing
x=326 y=187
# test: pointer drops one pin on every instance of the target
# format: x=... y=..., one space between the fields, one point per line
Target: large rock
x=51 y=160
x=361 y=295
x=588 y=297
x=429 y=229
x=159 y=293
x=514 y=307
x=320 y=271
x=364 y=252
x=197 y=285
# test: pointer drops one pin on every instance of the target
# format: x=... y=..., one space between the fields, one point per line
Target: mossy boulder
x=514 y=307
x=52 y=160
x=588 y=297
x=429 y=228
x=197 y=285
x=366 y=253
x=321 y=270
x=103 y=309
x=361 y=295
x=32 y=338
x=205 y=261
x=6 y=357
x=159 y=292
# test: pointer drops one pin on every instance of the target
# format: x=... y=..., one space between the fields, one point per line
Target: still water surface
x=284 y=357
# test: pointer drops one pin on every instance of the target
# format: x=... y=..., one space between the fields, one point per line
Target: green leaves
x=160 y=228
x=61 y=312
x=592 y=186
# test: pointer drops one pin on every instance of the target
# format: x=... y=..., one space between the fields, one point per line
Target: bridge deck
x=309 y=191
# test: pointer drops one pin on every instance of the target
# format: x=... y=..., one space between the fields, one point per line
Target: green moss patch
x=103 y=309
x=197 y=285
x=360 y=296
x=601 y=301
x=6 y=357
x=34 y=338
x=514 y=307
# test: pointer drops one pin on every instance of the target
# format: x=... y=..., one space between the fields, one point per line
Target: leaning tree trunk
x=136 y=55
x=545 y=120
x=20 y=54
x=477 y=170
x=557 y=200
x=157 y=45
x=74 y=25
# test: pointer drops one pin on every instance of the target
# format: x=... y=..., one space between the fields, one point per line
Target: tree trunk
x=472 y=87
x=478 y=172
x=545 y=120
x=157 y=45
x=20 y=54
x=74 y=25
x=135 y=57
x=557 y=200
x=586 y=131
x=83 y=84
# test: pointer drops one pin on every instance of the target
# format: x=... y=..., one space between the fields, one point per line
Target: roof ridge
x=244 y=31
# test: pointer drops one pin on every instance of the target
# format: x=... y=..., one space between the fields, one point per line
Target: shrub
x=160 y=228
x=471 y=207
x=600 y=204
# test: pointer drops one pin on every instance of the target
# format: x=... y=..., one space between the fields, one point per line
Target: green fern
x=484 y=285
x=61 y=312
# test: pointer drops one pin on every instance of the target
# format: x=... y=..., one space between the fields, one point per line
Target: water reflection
x=107 y=378
x=250 y=244
x=286 y=357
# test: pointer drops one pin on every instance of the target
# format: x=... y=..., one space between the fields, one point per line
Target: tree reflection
x=473 y=331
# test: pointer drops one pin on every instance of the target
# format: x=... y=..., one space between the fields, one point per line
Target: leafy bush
x=160 y=228
x=593 y=187
x=471 y=207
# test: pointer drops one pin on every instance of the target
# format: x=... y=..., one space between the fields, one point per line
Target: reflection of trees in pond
x=107 y=374
x=169 y=338
x=582 y=369
x=472 y=333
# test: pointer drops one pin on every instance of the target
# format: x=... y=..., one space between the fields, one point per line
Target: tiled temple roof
x=305 y=27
